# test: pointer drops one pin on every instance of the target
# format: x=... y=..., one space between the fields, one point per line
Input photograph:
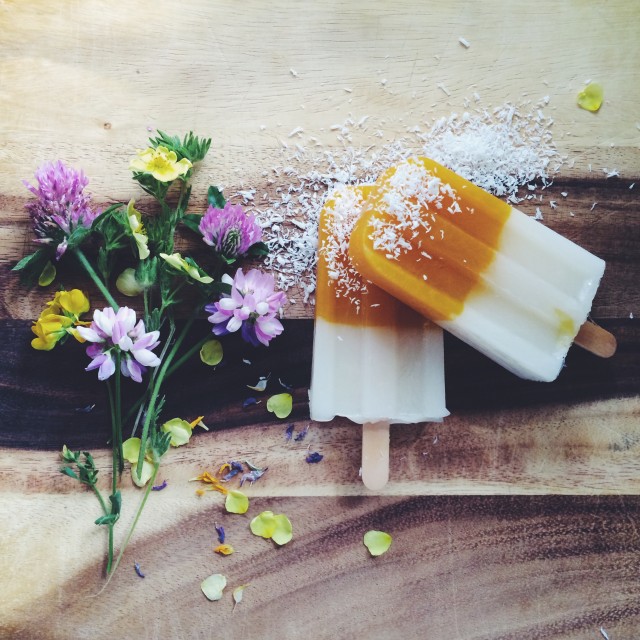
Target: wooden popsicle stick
x=375 y=454
x=596 y=340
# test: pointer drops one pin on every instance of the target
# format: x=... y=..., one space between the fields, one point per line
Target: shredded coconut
x=500 y=150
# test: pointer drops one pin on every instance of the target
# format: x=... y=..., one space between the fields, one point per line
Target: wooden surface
x=517 y=517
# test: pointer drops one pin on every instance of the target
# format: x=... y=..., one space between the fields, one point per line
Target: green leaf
x=211 y=352
x=110 y=518
x=281 y=404
x=192 y=222
x=258 y=250
x=378 y=542
x=215 y=197
x=68 y=471
x=48 y=275
x=31 y=266
x=116 y=502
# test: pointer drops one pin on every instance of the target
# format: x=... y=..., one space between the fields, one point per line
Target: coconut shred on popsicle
x=500 y=281
x=375 y=361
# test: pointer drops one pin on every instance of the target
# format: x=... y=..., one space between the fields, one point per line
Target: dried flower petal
x=224 y=549
x=281 y=404
x=314 y=457
x=236 y=502
x=378 y=542
x=213 y=586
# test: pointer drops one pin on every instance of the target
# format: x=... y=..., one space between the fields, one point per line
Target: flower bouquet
x=127 y=253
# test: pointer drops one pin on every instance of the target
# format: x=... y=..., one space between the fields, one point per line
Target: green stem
x=150 y=484
x=96 y=278
x=156 y=392
x=110 y=527
x=196 y=347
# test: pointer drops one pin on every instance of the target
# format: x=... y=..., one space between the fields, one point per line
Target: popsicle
x=499 y=280
x=375 y=361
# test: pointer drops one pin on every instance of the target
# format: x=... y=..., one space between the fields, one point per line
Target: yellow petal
x=224 y=549
x=280 y=404
x=264 y=524
x=211 y=352
x=131 y=449
x=145 y=476
x=180 y=431
x=236 y=502
x=378 y=542
x=284 y=531
x=48 y=275
x=591 y=97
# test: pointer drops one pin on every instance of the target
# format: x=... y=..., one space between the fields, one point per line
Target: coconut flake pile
x=500 y=150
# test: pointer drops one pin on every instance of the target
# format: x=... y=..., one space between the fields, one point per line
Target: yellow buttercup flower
x=59 y=319
x=161 y=163
x=134 y=218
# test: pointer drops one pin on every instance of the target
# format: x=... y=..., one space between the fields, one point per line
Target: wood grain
x=516 y=517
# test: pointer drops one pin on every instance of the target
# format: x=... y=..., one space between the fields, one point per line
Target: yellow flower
x=180 y=264
x=59 y=319
x=161 y=163
x=139 y=234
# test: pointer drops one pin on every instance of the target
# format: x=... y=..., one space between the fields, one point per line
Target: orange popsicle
x=375 y=361
x=496 y=278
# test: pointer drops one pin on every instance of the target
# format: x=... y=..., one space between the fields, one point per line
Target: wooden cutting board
x=514 y=518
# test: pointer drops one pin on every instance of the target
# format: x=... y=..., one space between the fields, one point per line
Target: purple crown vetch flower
x=252 y=306
x=61 y=207
x=112 y=332
x=230 y=231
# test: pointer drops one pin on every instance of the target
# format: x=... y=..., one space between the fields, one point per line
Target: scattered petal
x=263 y=525
x=261 y=385
x=145 y=476
x=131 y=450
x=236 y=502
x=213 y=586
x=590 y=98
x=249 y=402
x=277 y=527
x=284 y=530
x=314 y=457
x=48 y=275
x=238 y=593
x=220 y=532
x=136 y=566
x=159 y=487
x=224 y=549
x=288 y=434
x=180 y=431
x=281 y=404
x=378 y=542
x=302 y=435
x=211 y=352
x=284 y=385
